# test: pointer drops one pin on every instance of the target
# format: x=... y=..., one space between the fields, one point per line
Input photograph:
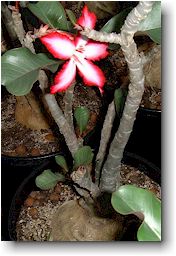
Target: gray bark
x=24 y=38
x=82 y=177
x=68 y=100
x=18 y=26
x=8 y=21
x=55 y=110
x=105 y=136
x=110 y=178
x=65 y=129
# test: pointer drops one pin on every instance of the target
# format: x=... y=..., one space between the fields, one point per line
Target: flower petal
x=87 y=19
x=95 y=51
x=92 y=75
x=60 y=45
x=64 y=77
x=80 y=42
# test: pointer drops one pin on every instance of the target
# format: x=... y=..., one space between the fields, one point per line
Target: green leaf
x=51 y=64
x=60 y=160
x=82 y=115
x=20 y=68
x=116 y=22
x=83 y=156
x=60 y=177
x=48 y=180
x=71 y=16
x=129 y=199
x=153 y=20
x=119 y=99
x=51 y=13
x=155 y=35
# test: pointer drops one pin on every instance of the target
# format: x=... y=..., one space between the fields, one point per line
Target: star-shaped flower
x=79 y=53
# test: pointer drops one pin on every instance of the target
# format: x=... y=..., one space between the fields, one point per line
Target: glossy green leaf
x=155 y=35
x=119 y=99
x=20 y=68
x=116 y=22
x=51 y=13
x=71 y=16
x=129 y=199
x=48 y=180
x=153 y=19
x=60 y=160
x=83 y=156
x=81 y=115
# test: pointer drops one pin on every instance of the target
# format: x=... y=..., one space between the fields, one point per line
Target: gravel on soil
x=36 y=213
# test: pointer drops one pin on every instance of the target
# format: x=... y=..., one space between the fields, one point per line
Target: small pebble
x=93 y=118
x=35 y=152
x=37 y=202
x=33 y=194
x=21 y=150
x=54 y=197
x=29 y=202
x=58 y=189
x=50 y=137
x=33 y=212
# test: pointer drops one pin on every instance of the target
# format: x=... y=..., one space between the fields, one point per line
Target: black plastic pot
x=28 y=185
x=13 y=172
x=145 y=139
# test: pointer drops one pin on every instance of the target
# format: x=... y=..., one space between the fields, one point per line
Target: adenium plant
x=79 y=51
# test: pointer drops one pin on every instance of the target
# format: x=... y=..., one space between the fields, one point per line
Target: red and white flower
x=79 y=53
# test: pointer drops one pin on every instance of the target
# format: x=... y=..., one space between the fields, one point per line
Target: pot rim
x=32 y=158
x=149 y=110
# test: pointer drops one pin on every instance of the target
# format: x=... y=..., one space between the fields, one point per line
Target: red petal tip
x=87 y=19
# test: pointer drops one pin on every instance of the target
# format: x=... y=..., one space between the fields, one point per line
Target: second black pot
x=145 y=139
x=13 y=172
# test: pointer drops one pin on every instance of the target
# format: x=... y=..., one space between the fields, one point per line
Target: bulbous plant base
x=77 y=222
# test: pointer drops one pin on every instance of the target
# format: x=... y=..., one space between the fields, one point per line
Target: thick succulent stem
x=102 y=36
x=62 y=123
x=82 y=177
x=110 y=178
x=55 y=110
x=105 y=136
x=24 y=38
x=111 y=170
x=8 y=21
x=68 y=100
x=18 y=26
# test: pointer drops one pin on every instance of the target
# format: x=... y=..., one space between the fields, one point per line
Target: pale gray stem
x=18 y=26
x=82 y=176
x=68 y=101
x=43 y=80
x=28 y=42
x=110 y=179
x=55 y=110
x=102 y=36
x=24 y=38
x=62 y=123
x=8 y=21
x=105 y=136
